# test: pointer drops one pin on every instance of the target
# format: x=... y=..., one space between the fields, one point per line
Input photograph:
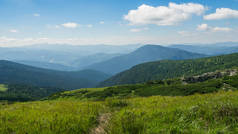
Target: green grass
x=210 y=113
x=165 y=106
x=49 y=117
x=75 y=94
x=207 y=113
x=3 y=88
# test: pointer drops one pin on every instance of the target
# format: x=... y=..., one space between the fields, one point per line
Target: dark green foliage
x=13 y=73
x=169 y=87
x=233 y=81
x=16 y=92
x=171 y=69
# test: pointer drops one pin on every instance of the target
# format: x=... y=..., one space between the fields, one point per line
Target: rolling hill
x=143 y=54
x=172 y=68
x=14 y=73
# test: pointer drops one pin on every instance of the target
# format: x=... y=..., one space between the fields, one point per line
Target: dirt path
x=103 y=123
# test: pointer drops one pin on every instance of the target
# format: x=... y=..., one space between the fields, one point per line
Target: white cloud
x=70 y=25
x=202 y=27
x=205 y=27
x=223 y=29
x=13 y=31
x=162 y=15
x=222 y=13
x=36 y=15
x=101 y=22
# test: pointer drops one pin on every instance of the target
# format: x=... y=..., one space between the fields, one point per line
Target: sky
x=117 y=22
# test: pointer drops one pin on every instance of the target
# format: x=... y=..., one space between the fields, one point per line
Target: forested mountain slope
x=14 y=73
x=172 y=68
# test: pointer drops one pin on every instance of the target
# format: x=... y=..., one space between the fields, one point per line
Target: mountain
x=14 y=73
x=63 y=57
x=210 y=49
x=143 y=54
x=172 y=68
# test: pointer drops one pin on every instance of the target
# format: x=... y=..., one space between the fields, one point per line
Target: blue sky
x=116 y=22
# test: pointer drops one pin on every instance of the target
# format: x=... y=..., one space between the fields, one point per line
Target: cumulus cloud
x=36 y=14
x=205 y=27
x=70 y=25
x=13 y=31
x=101 y=22
x=163 y=15
x=222 y=13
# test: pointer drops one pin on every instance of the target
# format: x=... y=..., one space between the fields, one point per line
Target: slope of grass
x=3 y=88
x=210 y=113
x=207 y=113
x=49 y=117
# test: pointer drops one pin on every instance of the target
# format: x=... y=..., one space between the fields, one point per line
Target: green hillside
x=172 y=68
x=206 y=103
x=202 y=84
x=14 y=73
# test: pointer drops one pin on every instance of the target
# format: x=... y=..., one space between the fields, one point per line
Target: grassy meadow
x=49 y=117
x=207 y=113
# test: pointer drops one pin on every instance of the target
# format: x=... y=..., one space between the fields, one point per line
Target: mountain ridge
x=143 y=54
x=165 y=69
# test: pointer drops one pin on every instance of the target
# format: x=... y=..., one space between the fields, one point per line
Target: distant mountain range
x=63 y=57
x=14 y=73
x=165 y=69
x=210 y=49
x=107 y=58
x=141 y=55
